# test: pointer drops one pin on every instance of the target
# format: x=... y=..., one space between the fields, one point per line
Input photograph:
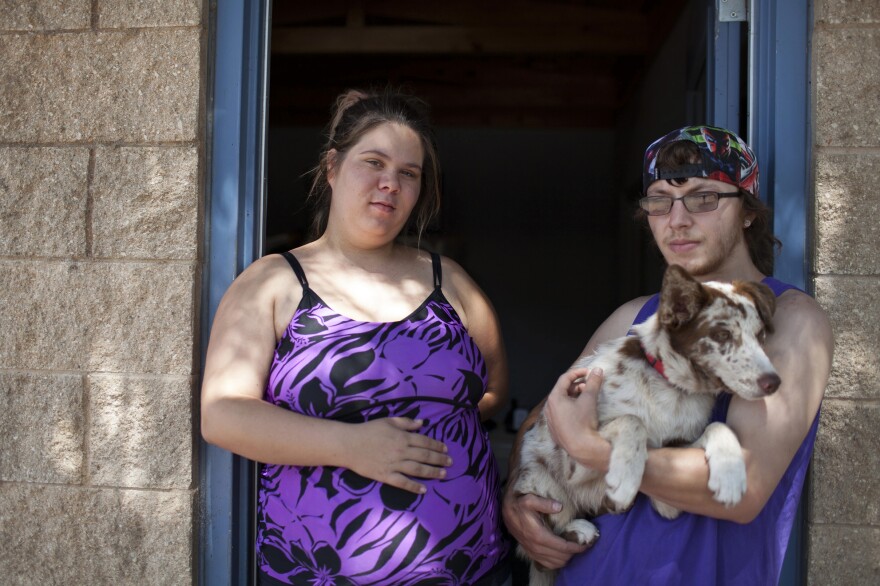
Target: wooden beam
x=494 y=100
x=292 y=12
x=508 y=13
x=550 y=74
x=518 y=63
x=474 y=115
x=465 y=12
x=455 y=40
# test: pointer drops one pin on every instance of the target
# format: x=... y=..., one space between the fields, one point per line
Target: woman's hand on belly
x=389 y=450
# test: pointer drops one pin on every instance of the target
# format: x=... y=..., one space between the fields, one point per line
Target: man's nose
x=679 y=215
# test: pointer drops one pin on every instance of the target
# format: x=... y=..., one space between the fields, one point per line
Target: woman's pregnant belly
x=331 y=522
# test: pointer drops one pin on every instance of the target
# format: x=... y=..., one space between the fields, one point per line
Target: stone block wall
x=101 y=165
x=844 y=517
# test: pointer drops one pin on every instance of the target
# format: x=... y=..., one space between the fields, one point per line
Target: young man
x=704 y=213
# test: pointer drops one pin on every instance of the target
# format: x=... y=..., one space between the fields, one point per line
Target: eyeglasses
x=696 y=203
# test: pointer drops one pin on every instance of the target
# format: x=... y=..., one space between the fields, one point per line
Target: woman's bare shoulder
x=265 y=272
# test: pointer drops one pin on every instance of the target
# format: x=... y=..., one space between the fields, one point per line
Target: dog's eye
x=761 y=335
x=721 y=336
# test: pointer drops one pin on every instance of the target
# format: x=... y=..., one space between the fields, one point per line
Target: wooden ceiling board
x=493 y=63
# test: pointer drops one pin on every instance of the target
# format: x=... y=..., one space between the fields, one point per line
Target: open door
x=537 y=105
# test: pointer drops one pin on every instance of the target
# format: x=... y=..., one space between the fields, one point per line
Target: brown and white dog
x=660 y=385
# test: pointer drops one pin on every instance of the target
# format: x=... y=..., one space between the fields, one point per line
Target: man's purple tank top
x=329 y=525
x=641 y=547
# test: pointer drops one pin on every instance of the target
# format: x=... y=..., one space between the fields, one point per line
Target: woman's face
x=376 y=184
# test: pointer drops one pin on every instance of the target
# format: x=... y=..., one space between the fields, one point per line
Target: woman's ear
x=330 y=162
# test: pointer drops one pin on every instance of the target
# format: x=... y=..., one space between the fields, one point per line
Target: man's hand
x=572 y=407
x=523 y=516
x=572 y=417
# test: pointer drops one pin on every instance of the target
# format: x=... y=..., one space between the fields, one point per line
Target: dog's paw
x=727 y=478
x=581 y=531
x=664 y=510
x=622 y=486
x=727 y=468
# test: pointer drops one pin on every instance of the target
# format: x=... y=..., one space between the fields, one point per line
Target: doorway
x=542 y=110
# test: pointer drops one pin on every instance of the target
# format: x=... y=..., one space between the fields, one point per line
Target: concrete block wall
x=101 y=165
x=844 y=517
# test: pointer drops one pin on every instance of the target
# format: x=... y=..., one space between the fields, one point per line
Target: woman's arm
x=481 y=321
x=234 y=415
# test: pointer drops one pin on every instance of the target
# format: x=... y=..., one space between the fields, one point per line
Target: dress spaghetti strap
x=438 y=270
x=297 y=268
x=309 y=297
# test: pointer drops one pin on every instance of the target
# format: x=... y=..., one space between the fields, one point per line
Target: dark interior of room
x=542 y=109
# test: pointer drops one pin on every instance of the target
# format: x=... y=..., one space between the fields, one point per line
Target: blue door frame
x=777 y=127
x=235 y=210
x=777 y=124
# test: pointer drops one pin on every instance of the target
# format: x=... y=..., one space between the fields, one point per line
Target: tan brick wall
x=101 y=165
x=844 y=517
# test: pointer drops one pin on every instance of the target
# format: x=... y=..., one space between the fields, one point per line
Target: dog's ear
x=763 y=298
x=681 y=298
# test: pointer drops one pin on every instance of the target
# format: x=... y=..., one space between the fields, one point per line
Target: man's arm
x=523 y=514
x=770 y=430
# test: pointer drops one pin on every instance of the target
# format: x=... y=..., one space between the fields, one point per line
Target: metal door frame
x=777 y=123
x=235 y=197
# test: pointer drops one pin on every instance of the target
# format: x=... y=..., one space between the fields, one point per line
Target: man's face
x=703 y=242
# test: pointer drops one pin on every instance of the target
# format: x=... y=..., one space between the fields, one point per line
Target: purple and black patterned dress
x=323 y=525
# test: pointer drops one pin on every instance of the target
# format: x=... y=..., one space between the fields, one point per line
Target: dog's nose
x=769 y=383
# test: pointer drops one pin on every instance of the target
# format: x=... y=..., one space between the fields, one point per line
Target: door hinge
x=732 y=10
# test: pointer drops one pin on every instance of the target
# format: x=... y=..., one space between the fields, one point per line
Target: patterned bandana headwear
x=725 y=157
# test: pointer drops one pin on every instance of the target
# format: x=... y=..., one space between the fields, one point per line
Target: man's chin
x=694 y=267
